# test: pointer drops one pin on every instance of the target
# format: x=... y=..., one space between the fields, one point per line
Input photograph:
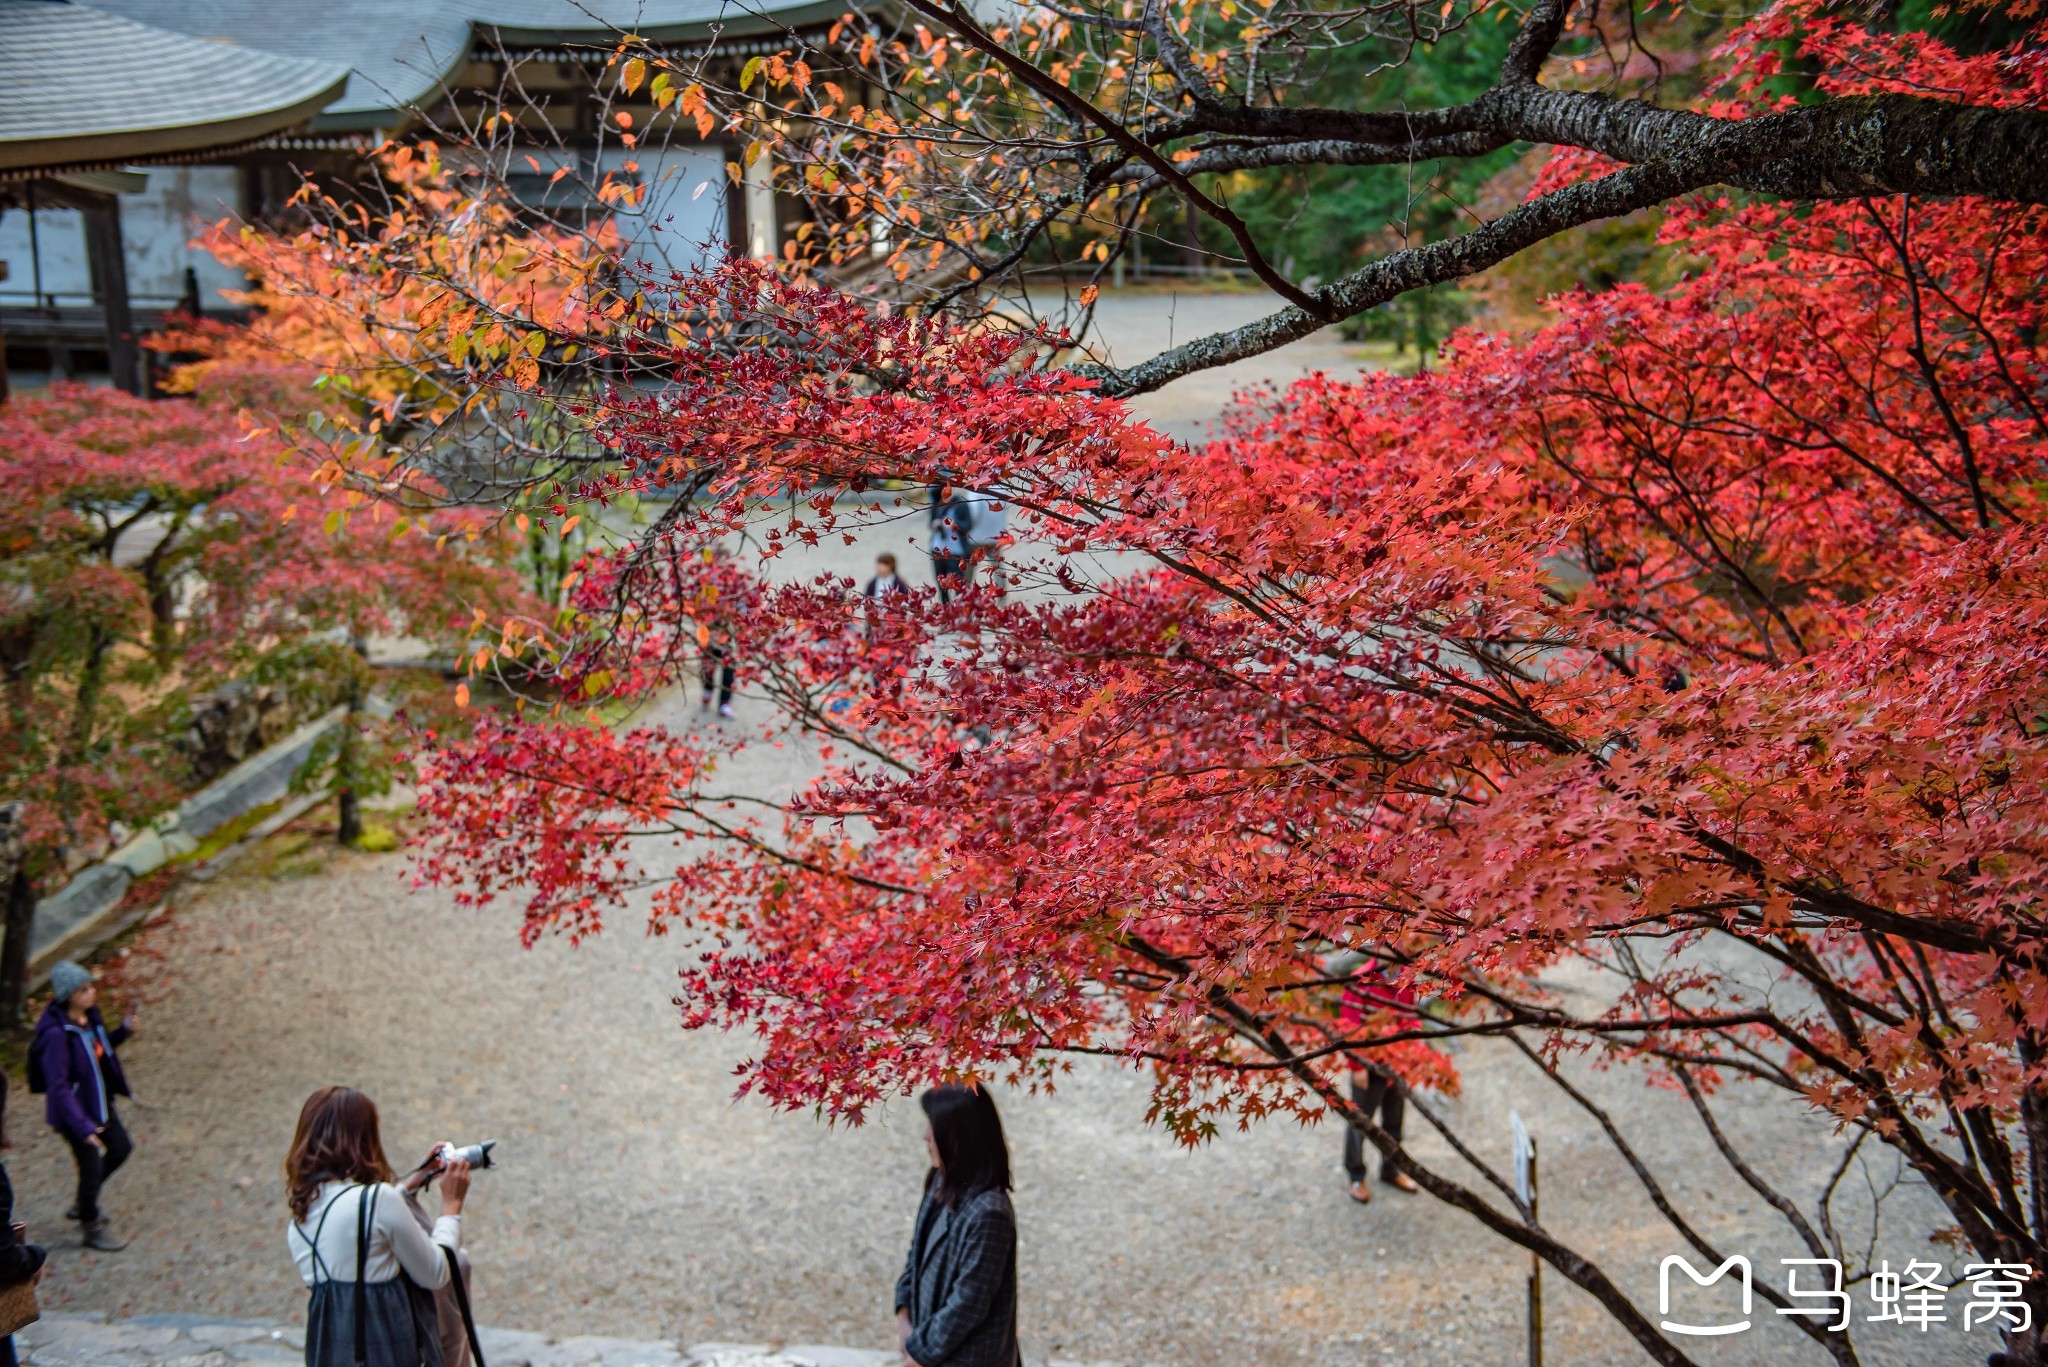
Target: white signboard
x=1525 y=1153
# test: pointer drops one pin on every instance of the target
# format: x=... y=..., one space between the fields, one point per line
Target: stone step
x=77 y=1340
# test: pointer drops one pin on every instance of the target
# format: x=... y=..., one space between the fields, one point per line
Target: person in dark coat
x=19 y=1262
x=73 y=1057
x=956 y=1302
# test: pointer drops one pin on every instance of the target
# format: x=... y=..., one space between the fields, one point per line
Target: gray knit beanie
x=65 y=979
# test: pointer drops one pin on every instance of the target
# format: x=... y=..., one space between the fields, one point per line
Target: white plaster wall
x=60 y=240
x=157 y=227
x=683 y=209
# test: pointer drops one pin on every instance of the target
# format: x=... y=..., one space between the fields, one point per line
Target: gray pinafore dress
x=368 y=1324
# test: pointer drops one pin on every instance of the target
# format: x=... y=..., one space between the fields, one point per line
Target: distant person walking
x=952 y=520
x=956 y=1303
x=990 y=521
x=717 y=668
x=1373 y=1088
x=20 y=1261
x=371 y=1268
x=72 y=1060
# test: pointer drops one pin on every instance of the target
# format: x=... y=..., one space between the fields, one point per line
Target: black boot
x=100 y=1238
x=72 y=1212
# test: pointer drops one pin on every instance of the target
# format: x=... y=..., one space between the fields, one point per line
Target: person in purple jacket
x=72 y=1061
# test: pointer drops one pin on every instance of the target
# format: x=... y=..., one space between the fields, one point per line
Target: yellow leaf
x=636 y=72
x=335 y=520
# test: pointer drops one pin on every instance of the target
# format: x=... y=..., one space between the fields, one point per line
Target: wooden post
x=110 y=282
x=1535 y=1272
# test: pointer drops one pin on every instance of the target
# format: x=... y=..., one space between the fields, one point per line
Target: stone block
x=729 y=1355
x=93 y=892
x=146 y=853
x=261 y=778
x=512 y=1347
x=221 y=1333
x=819 y=1355
x=591 y=1351
x=120 y=1344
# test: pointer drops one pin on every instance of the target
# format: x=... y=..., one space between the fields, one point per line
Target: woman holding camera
x=371 y=1268
x=956 y=1303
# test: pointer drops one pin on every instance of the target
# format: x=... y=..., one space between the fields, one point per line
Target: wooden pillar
x=110 y=282
x=3 y=336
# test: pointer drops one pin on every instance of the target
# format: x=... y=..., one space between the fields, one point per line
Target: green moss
x=378 y=840
x=228 y=833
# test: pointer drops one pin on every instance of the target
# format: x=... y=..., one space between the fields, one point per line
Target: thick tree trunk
x=18 y=891
x=20 y=924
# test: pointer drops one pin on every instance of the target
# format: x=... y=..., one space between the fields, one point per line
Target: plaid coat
x=960 y=1282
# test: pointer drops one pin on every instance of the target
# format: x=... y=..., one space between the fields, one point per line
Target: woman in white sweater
x=370 y=1266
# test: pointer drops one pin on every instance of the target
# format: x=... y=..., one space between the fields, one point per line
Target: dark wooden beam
x=110 y=283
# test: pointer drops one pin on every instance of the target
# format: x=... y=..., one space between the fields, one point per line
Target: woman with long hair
x=956 y=1303
x=372 y=1270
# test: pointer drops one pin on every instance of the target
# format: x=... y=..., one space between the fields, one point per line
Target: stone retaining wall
x=80 y=916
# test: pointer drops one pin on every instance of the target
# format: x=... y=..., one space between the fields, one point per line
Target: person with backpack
x=952 y=519
x=73 y=1062
x=370 y=1267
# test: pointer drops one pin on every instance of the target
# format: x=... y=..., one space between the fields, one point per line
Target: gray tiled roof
x=78 y=84
x=401 y=50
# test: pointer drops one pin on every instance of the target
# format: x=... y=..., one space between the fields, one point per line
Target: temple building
x=126 y=125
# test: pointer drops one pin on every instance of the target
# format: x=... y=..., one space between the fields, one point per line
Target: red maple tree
x=152 y=550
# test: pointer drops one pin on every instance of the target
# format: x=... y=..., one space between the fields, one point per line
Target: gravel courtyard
x=637 y=1199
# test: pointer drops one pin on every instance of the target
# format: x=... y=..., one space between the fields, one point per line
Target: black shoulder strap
x=366 y=1210
x=476 y=1350
x=313 y=1244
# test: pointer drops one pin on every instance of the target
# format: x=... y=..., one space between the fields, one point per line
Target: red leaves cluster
x=1710 y=615
x=1676 y=620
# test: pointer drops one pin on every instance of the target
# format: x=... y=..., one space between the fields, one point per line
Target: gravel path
x=637 y=1200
